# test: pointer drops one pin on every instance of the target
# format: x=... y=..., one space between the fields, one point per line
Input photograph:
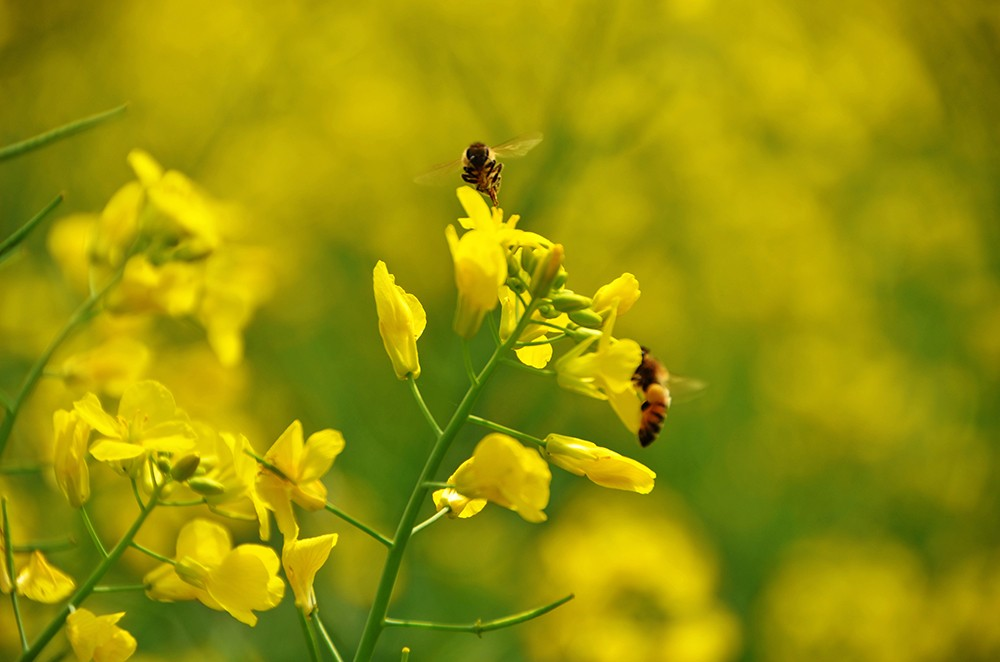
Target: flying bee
x=653 y=382
x=479 y=164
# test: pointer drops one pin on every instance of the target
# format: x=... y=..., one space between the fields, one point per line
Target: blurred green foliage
x=807 y=193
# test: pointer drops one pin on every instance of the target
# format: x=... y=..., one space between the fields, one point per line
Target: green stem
x=467 y=360
x=79 y=316
x=88 y=586
x=93 y=532
x=326 y=637
x=536 y=371
x=19 y=235
x=150 y=553
x=496 y=427
x=430 y=520
x=64 y=131
x=311 y=642
x=358 y=524
x=54 y=545
x=478 y=627
x=22 y=470
x=9 y=561
x=120 y=589
x=423 y=407
x=390 y=571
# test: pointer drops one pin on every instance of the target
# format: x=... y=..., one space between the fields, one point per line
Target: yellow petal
x=90 y=410
x=98 y=637
x=247 y=581
x=286 y=452
x=206 y=541
x=320 y=450
x=69 y=456
x=108 y=450
x=301 y=560
x=42 y=582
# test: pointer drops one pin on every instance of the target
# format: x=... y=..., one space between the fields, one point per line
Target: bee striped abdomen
x=654 y=412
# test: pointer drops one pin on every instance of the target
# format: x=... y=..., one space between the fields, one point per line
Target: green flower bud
x=568 y=301
x=206 y=486
x=587 y=318
x=185 y=467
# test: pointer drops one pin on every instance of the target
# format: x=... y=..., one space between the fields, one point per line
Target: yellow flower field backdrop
x=807 y=194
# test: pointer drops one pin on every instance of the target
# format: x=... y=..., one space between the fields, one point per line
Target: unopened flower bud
x=545 y=272
x=185 y=467
x=587 y=318
x=568 y=301
x=206 y=486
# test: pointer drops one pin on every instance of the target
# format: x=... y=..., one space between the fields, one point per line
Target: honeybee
x=480 y=166
x=653 y=382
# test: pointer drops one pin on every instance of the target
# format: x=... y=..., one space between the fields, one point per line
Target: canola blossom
x=239 y=580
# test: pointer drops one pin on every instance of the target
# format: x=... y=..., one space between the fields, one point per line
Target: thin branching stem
x=358 y=524
x=431 y=421
x=496 y=427
x=470 y=371
x=82 y=313
x=327 y=640
x=93 y=532
x=9 y=562
x=64 y=131
x=375 y=622
x=430 y=520
x=55 y=545
x=20 y=234
x=479 y=626
x=310 y=636
x=126 y=588
x=88 y=586
x=150 y=553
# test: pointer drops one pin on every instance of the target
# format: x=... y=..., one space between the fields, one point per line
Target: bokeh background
x=807 y=193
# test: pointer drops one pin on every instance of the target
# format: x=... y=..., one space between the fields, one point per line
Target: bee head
x=477 y=154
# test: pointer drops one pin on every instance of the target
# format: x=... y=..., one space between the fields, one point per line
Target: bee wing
x=439 y=174
x=518 y=146
x=685 y=389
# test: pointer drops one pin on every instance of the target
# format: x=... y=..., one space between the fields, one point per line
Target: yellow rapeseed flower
x=98 y=637
x=209 y=569
x=505 y=472
x=605 y=373
x=458 y=505
x=42 y=582
x=301 y=560
x=618 y=295
x=107 y=368
x=480 y=270
x=302 y=464
x=601 y=465
x=148 y=421
x=69 y=456
x=401 y=320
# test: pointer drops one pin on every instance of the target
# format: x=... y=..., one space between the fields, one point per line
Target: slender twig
x=120 y=589
x=536 y=343
x=19 y=235
x=478 y=627
x=54 y=545
x=431 y=421
x=93 y=532
x=9 y=561
x=64 y=131
x=88 y=586
x=536 y=371
x=430 y=520
x=375 y=622
x=496 y=427
x=330 y=646
x=310 y=636
x=23 y=470
x=435 y=484
x=470 y=371
x=358 y=524
x=148 y=552
x=80 y=315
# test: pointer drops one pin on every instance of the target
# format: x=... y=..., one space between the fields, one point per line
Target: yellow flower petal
x=245 y=581
x=42 y=582
x=401 y=321
x=508 y=474
x=98 y=637
x=601 y=465
x=320 y=450
x=69 y=456
x=301 y=560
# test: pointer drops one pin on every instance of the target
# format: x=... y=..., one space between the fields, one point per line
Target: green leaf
x=19 y=235
x=65 y=131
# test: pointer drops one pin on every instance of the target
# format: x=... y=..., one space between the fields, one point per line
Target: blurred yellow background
x=807 y=193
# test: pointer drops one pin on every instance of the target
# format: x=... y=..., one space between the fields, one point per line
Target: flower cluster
x=498 y=264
